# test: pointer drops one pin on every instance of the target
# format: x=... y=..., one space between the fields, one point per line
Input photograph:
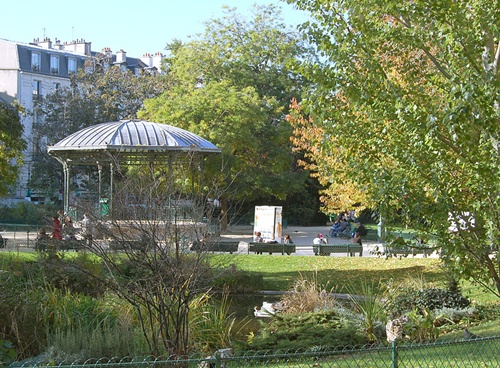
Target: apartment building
x=31 y=70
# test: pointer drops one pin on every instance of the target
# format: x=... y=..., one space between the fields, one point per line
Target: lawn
x=343 y=274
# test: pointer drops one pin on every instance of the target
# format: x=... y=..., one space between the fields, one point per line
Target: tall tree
x=233 y=86
x=410 y=92
x=11 y=145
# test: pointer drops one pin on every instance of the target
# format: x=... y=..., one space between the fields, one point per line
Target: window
x=56 y=87
x=71 y=65
x=54 y=64
x=37 y=89
x=35 y=61
x=36 y=124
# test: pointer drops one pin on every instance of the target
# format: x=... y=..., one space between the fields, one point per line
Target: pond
x=243 y=308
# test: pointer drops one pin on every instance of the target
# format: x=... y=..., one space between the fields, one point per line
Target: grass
x=343 y=274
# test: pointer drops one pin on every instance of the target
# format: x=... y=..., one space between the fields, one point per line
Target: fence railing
x=481 y=352
x=21 y=237
x=18 y=235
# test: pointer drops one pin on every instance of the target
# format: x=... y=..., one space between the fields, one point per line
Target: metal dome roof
x=130 y=137
x=134 y=134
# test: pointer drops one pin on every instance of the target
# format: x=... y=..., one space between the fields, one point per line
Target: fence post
x=218 y=363
x=394 y=354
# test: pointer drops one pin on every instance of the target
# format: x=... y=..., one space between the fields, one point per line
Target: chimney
x=147 y=59
x=157 y=60
x=57 y=45
x=121 y=57
x=78 y=46
x=46 y=43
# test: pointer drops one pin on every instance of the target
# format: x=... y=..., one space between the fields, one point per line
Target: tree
x=144 y=246
x=12 y=144
x=408 y=99
x=106 y=94
x=233 y=86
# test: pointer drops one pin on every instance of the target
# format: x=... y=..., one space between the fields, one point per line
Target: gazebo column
x=99 y=171
x=202 y=174
x=111 y=188
x=66 y=169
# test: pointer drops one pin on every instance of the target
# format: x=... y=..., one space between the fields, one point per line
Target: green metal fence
x=482 y=352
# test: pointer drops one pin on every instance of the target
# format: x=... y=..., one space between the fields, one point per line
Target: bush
x=77 y=275
x=430 y=299
x=7 y=353
x=307 y=296
x=20 y=320
x=27 y=213
x=326 y=330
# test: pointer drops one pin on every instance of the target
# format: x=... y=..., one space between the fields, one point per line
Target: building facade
x=29 y=71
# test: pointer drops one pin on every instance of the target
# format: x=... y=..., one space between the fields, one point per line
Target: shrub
x=20 y=320
x=307 y=296
x=27 y=213
x=430 y=299
x=91 y=340
x=213 y=326
x=326 y=330
x=446 y=315
x=78 y=275
x=7 y=353
x=372 y=310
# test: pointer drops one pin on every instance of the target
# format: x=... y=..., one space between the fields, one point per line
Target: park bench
x=72 y=244
x=54 y=244
x=405 y=251
x=139 y=244
x=400 y=247
x=260 y=248
x=371 y=234
x=216 y=246
x=327 y=249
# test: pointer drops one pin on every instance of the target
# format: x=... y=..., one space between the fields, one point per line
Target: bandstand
x=110 y=145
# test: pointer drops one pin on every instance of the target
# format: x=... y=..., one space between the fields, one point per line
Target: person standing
x=87 y=229
x=56 y=228
x=68 y=228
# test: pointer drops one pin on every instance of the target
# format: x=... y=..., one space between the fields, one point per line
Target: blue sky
x=137 y=27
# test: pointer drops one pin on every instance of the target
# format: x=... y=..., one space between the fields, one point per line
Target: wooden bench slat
x=217 y=246
x=407 y=250
x=271 y=248
x=72 y=244
x=131 y=244
x=327 y=249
